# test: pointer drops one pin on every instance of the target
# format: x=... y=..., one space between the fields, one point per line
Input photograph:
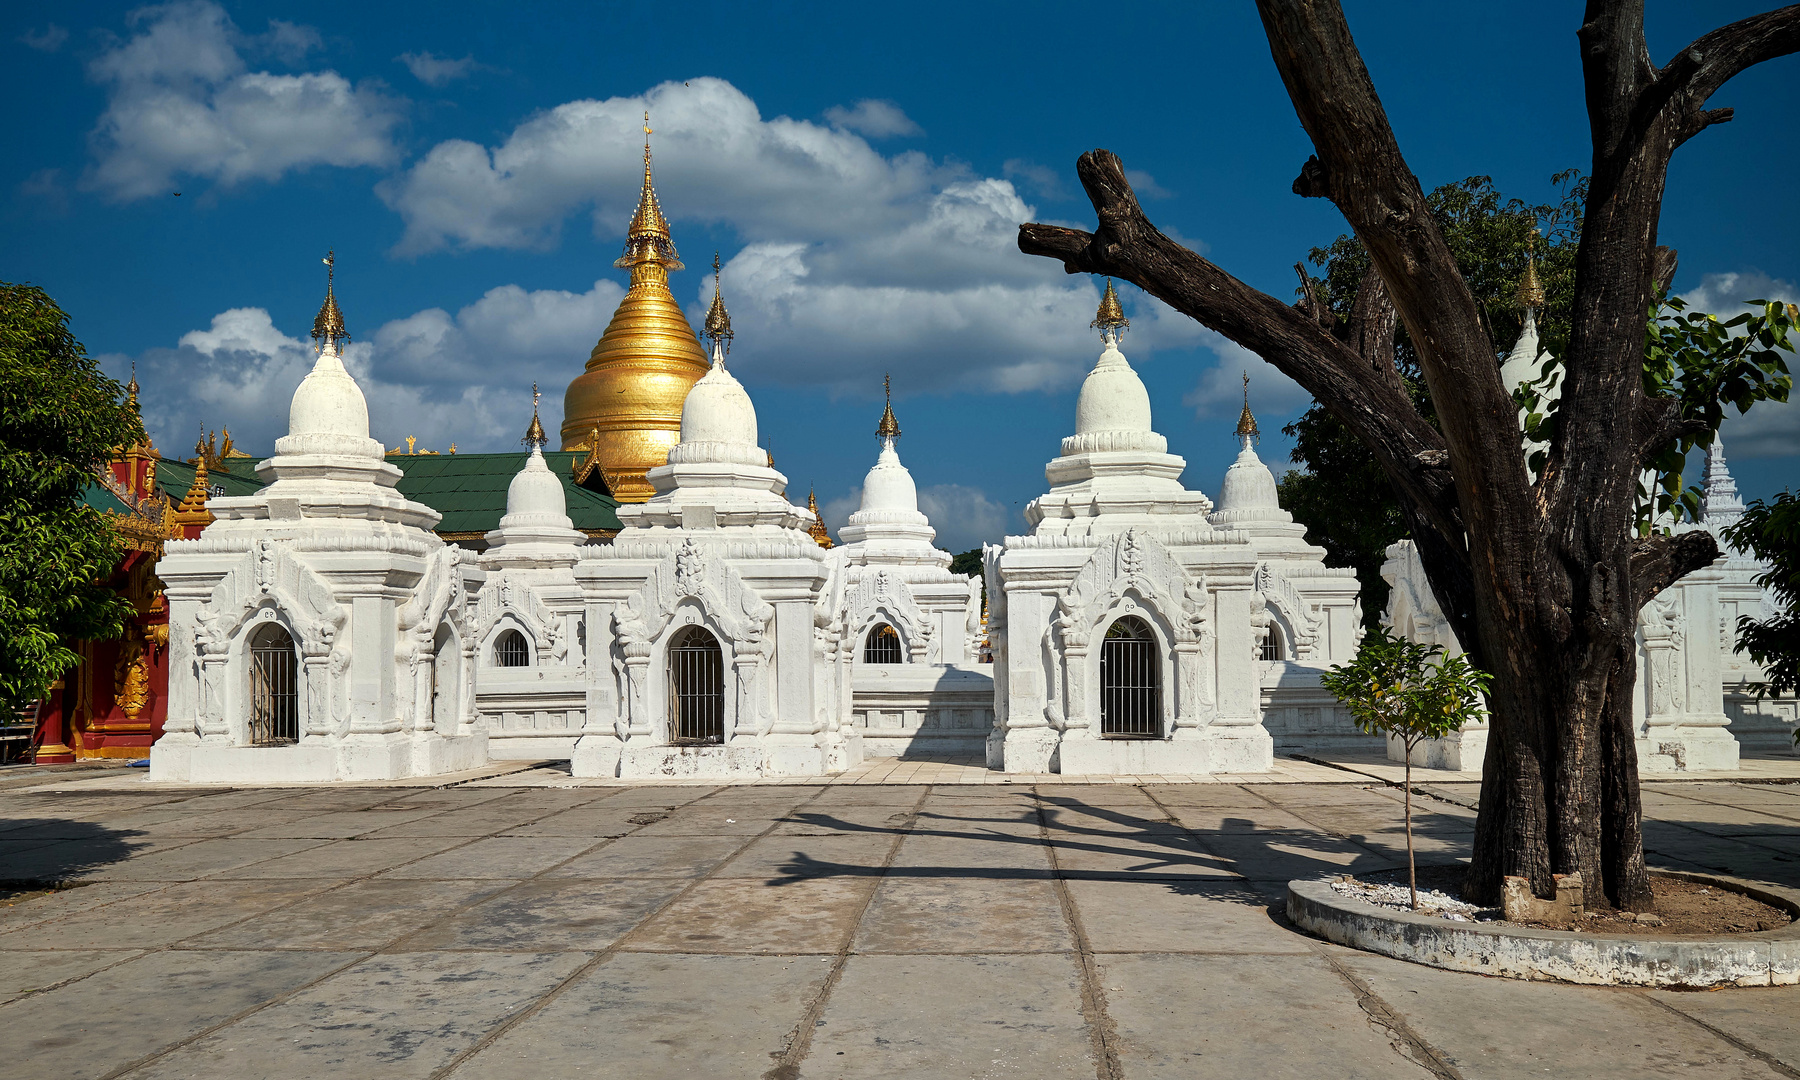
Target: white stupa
x=901 y=626
x=705 y=603
x=316 y=627
x=1125 y=625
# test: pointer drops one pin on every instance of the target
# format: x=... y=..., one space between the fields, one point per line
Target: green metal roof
x=175 y=476
x=100 y=497
x=470 y=489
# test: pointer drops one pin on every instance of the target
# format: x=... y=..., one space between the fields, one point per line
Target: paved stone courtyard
x=519 y=925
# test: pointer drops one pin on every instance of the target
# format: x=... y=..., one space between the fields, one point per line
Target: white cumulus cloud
x=182 y=102
x=876 y=119
x=434 y=375
x=434 y=70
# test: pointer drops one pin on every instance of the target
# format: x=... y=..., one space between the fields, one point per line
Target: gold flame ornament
x=1111 y=315
x=889 y=428
x=328 y=327
x=1247 y=420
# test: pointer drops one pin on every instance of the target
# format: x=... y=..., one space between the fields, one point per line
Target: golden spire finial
x=817 y=529
x=1531 y=290
x=889 y=428
x=328 y=328
x=718 y=320
x=191 y=510
x=1110 y=316
x=131 y=388
x=647 y=239
x=534 y=435
x=1246 y=420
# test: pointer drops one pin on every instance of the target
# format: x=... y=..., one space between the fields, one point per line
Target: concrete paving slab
x=815 y=915
x=1162 y=916
x=361 y=915
x=1763 y=1017
x=18 y=913
x=231 y=822
x=1136 y=855
x=596 y=822
x=1486 y=1028
x=661 y=796
x=23 y=973
x=200 y=858
x=809 y=821
x=1187 y=1017
x=1011 y=1016
x=99 y=849
x=704 y=819
x=69 y=1034
x=645 y=1016
x=654 y=856
x=162 y=917
x=473 y=821
x=340 y=858
x=996 y=855
x=1288 y=855
x=336 y=824
x=964 y=915
x=1237 y=819
x=547 y=914
x=498 y=857
x=783 y=858
x=392 y=1017
x=873 y=795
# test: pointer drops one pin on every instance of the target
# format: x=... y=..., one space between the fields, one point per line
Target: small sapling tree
x=1412 y=692
x=1771 y=532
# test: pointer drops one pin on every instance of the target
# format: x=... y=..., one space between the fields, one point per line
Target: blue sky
x=861 y=173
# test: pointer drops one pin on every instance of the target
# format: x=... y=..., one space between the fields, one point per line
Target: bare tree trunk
x=1542 y=581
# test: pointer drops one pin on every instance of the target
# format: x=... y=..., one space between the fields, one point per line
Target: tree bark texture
x=1542 y=581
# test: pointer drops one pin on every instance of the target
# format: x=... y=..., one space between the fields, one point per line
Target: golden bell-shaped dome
x=626 y=407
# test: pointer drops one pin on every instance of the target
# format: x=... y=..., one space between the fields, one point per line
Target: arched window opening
x=882 y=646
x=1271 y=647
x=274 y=690
x=510 y=650
x=1130 y=671
x=696 y=687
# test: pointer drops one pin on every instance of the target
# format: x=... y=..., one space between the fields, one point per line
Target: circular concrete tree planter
x=1769 y=958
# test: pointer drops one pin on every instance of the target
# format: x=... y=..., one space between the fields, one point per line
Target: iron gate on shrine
x=1130 y=698
x=696 y=687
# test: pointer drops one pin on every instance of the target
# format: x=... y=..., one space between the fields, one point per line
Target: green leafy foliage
x=1342 y=497
x=1394 y=687
x=968 y=564
x=61 y=419
x=1771 y=532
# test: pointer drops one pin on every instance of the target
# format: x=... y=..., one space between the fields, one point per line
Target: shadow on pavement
x=43 y=853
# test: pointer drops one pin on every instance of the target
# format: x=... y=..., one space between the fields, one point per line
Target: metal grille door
x=1271 y=646
x=1130 y=700
x=882 y=646
x=274 y=696
x=697 y=687
x=511 y=651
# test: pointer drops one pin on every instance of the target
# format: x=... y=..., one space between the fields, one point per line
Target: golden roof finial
x=647 y=239
x=328 y=328
x=817 y=529
x=1531 y=290
x=718 y=320
x=1246 y=419
x=191 y=510
x=534 y=435
x=1110 y=316
x=889 y=428
x=131 y=388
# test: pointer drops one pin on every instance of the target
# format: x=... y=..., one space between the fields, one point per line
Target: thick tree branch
x=1697 y=72
x=1374 y=407
x=1659 y=561
x=1359 y=167
x=1659 y=422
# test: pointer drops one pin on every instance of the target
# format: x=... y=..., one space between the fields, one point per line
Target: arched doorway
x=510 y=650
x=1130 y=678
x=882 y=646
x=274 y=690
x=696 y=687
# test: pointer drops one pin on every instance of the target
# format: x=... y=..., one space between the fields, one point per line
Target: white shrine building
x=1125 y=627
x=318 y=628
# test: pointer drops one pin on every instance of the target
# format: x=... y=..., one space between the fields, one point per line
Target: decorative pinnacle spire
x=889 y=428
x=328 y=328
x=817 y=529
x=647 y=240
x=718 y=320
x=534 y=435
x=1110 y=317
x=131 y=388
x=1246 y=428
x=1531 y=290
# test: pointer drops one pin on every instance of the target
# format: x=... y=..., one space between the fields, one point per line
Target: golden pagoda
x=625 y=408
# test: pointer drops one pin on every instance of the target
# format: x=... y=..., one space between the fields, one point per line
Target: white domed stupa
x=536 y=530
x=1249 y=500
x=888 y=525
